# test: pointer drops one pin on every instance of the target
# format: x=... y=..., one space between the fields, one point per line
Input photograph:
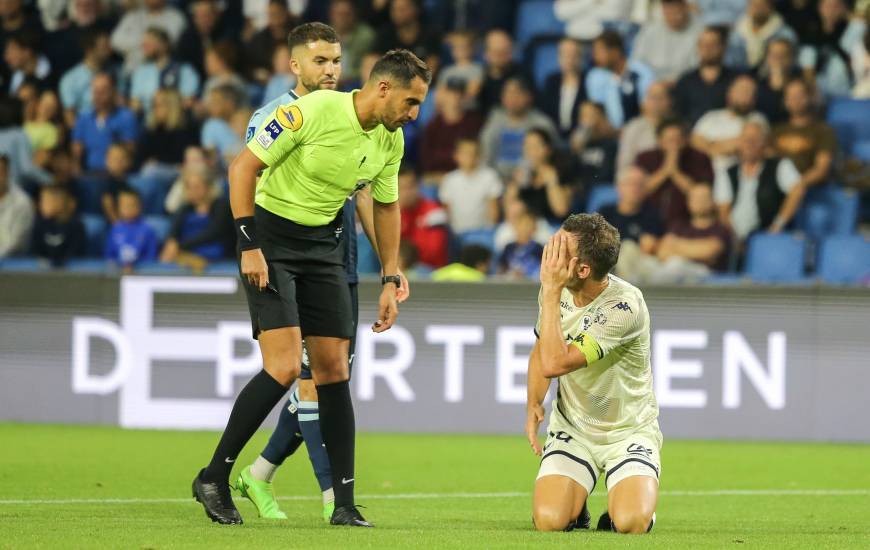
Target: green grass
x=41 y=463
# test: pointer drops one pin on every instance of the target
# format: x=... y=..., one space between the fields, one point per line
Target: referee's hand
x=388 y=309
x=254 y=268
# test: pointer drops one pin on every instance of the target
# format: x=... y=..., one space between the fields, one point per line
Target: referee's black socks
x=339 y=430
x=252 y=406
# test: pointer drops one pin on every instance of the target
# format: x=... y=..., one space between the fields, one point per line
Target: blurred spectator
x=24 y=60
x=202 y=231
x=825 y=55
x=615 y=82
x=128 y=36
x=99 y=128
x=207 y=29
x=258 y=50
x=465 y=71
x=505 y=234
x=356 y=37
x=195 y=159
x=502 y=136
x=563 y=91
x=594 y=146
x=758 y=193
x=704 y=89
x=220 y=68
x=160 y=70
x=13 y=20
x=118 y=165
x=63 y=46
x=409 y=259
x=672 y=169
x=522 y=257
x=472 y=266
x=218 y=135
x=778 y=67
x=668 y=46
x=45 y=128
x=690 y=251
x=451 y=123
x=632 y=216
x=16 y=213
x=721 y=13
x=809 y=142
x=131 y=240
x=537 y=181
x=406 y=30
x=753 y=31
x=802 y=17
x=75 y=85
x=282 y=79
x=860 y=61
x=58 y=233
x=167 y=131
x=471 y=192
x=62 y=170
x=640 y=133
x=718 y=132
x=15 y=145
x=584 y=18
x=499 y=66
x=424 y=221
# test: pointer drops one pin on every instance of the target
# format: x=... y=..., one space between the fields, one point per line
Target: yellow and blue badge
x=290 y=117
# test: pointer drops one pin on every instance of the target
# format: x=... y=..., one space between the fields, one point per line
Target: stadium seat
x=160 y=268
x=776 y=258
x=483 y=237
x=160 y=225
x=89 y=193
x=844 y=259
x=861 y=150
x=153 y=191
x=601 y=195
x=536 y=18
x=848 y=116
x=226 y=267
x=23 y=264
x=89 y=265
x=95 y=231
x=543 y=57
x=828 y=210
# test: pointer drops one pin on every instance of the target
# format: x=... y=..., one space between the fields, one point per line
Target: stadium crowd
x=693 y=126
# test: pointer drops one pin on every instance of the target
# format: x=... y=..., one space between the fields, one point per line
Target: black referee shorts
x=305 y=373
x=306 y=267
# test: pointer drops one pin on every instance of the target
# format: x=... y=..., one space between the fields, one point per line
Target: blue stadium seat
x=89 y=265
x=848 y=117
x=160 y=268
x=483 y=237
x=844 y=259
x=828 y=210
x=95 y=230
x=543 y=57
x=160 y=225
x=601 y=195
x=89 y=193
x=226 y=267
x=536 y=18
x=861 y=150
x=153 y=191
x=23 y=263
x=776 y=258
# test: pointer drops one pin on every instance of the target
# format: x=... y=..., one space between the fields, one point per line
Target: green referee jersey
x=317 y=155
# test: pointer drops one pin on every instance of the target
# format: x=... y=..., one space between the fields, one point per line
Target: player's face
x=317 y=65
x=403 y=103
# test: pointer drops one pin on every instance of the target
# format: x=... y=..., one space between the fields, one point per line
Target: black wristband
x=246 y=233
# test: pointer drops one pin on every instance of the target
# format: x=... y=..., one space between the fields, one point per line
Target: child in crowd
x=131 y=240
x=58 y=234
x=522 y=258
x=118 y=164
x=470 y=192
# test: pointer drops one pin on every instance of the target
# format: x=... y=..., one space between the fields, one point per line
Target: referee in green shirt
x=313 y=154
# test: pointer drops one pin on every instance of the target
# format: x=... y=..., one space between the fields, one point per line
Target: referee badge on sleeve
x=269 y=134
x=290 y=117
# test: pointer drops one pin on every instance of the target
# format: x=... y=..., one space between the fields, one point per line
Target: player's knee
x=548 y=518
x=634 y=520
x=331 y=371
x=285 y=372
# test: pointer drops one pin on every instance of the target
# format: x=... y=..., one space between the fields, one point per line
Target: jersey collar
x=351 y=113
x=293 y=95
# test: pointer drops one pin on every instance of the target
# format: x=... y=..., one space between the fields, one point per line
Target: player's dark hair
x=402 y=66
x=670 y=122
x=473 y=255
x=597 y=241
x=611 y=40
x=311 y=32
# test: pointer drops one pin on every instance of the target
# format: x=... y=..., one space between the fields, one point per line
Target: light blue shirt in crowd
x=146 y=81
x=75 y=88
x=217 y=134
x=602 y=86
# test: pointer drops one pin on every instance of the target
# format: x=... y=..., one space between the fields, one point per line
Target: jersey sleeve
x=385 y=187
x=287 y=126
x=615 y=323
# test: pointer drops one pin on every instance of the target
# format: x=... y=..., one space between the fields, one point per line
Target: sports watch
x=392 y=279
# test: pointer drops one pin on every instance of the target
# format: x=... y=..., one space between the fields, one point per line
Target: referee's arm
x=243 y=182
x=387 y=218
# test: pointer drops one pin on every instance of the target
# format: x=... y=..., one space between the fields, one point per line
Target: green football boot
x=260 y=493
x=328 y=509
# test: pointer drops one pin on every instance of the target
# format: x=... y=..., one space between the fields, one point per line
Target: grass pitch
x=89 y=487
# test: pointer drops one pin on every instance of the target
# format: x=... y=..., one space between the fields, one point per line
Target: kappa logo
x=638 y=449
x=622 y=306
x=291 y=117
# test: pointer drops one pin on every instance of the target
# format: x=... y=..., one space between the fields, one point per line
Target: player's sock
x=287 y=436
x=252 y=406
x=263 y=470
x=338 y=429
x=309 y=423
x=328 y=496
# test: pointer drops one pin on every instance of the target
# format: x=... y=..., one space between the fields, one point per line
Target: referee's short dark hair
x=611 y=40
x=402 y=66
x=597 y=241
x=311 y=32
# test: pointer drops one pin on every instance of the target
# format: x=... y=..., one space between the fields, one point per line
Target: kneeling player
x=593 y=337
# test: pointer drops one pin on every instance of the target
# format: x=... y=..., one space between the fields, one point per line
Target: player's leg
x=309 y=422
x=566 y=477
x=275 y=322
x=633 y=467
x=631 y=504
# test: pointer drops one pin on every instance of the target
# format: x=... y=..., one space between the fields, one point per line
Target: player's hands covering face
x=558 y=263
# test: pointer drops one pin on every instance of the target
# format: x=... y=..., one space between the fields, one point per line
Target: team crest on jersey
x=600 y=318
x=249 y=135
x=587 y=322
x=290 y=117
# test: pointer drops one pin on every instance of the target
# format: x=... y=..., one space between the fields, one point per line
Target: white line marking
x=433 y=496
